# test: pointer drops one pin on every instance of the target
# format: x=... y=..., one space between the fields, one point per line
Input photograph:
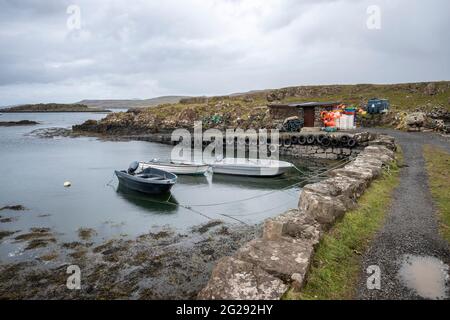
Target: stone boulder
x=384 y=140
x=281 y=258
x=349 y=187
x=293 y=223
x=234 y=279
x=323 y=209
x=355 y=172
x=416 y=119
x=430 y=89
x=374 y=167
x=378 y=152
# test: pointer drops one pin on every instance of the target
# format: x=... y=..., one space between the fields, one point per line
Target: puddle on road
x=426 y=275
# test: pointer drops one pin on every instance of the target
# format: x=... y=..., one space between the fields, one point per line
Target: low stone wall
x=266 y=267
x=316 y=151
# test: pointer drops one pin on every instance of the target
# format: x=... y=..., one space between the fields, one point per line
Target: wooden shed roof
x=307 y=104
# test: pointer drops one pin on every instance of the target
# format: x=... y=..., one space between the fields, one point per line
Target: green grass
x=438 y=168
x=403 y=97
x=337 y=261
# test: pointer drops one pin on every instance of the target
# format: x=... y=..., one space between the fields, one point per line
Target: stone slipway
x=266 y=267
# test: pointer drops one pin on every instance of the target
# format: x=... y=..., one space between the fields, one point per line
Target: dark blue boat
x=150 y=180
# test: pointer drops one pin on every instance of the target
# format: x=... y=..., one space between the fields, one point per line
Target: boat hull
x=142 y=186
x=246 y=168
x=177 y=168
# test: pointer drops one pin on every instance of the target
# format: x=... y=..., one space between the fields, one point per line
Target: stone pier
x=266 y=267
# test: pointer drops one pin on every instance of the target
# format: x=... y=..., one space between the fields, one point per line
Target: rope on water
x=297 y=168
x=189 y=206
x=256 y=212
x=307 y=178
x=232 y=217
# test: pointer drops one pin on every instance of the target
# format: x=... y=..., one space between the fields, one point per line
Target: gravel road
x=411 y=228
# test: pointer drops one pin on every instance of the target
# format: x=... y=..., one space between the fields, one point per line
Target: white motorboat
x=251 y=167
x=188 y=168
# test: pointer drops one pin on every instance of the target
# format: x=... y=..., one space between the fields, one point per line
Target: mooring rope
x=307 y=178
x=314 y=174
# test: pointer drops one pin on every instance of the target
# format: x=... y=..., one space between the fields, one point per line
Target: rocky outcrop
x=415 y=121
x=51 y=132
x=431 y=89
x=220 y=115
x=17 y=123
x=52 y=107
x=265 y=267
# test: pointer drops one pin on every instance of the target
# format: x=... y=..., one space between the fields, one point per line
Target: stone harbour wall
x=266 y=267
x=317 y=151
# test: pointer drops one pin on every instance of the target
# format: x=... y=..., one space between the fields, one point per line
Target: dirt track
x=411 y=227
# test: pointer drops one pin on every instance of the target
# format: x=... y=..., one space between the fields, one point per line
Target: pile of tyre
x=321 y=139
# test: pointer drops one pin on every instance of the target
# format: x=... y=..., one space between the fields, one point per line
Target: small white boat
x=251 y=167
x=188 y=168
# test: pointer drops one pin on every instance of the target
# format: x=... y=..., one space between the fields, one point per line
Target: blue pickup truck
x=376 y=105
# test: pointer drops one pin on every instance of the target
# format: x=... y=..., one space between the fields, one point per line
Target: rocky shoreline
x=157 y=265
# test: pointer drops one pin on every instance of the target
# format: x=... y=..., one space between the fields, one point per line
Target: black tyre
x=310 y=139
x=334 y=142
x=294 y=140
x=301 y=140
x=344 y=139
x=351 y=143
x=326 y=142
x=320 y=137
x=287 y=142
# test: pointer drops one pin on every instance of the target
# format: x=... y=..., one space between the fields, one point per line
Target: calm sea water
x=33 y=171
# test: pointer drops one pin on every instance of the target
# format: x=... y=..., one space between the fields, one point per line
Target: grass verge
x=438 y=168
x=336 y=265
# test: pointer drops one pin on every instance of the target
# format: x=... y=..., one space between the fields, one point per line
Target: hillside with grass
x=249 y=110
x=131 y=103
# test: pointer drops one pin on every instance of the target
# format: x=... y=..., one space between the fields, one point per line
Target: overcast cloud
x=141 y=49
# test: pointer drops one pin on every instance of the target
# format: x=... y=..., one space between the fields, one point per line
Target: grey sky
x=142 y=49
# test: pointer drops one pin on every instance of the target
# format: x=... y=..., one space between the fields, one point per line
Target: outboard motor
x=133 y=167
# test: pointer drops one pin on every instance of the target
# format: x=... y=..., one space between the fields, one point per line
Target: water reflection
x=163 y=203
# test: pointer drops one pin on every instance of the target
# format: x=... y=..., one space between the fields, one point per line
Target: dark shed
x=309 y=111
